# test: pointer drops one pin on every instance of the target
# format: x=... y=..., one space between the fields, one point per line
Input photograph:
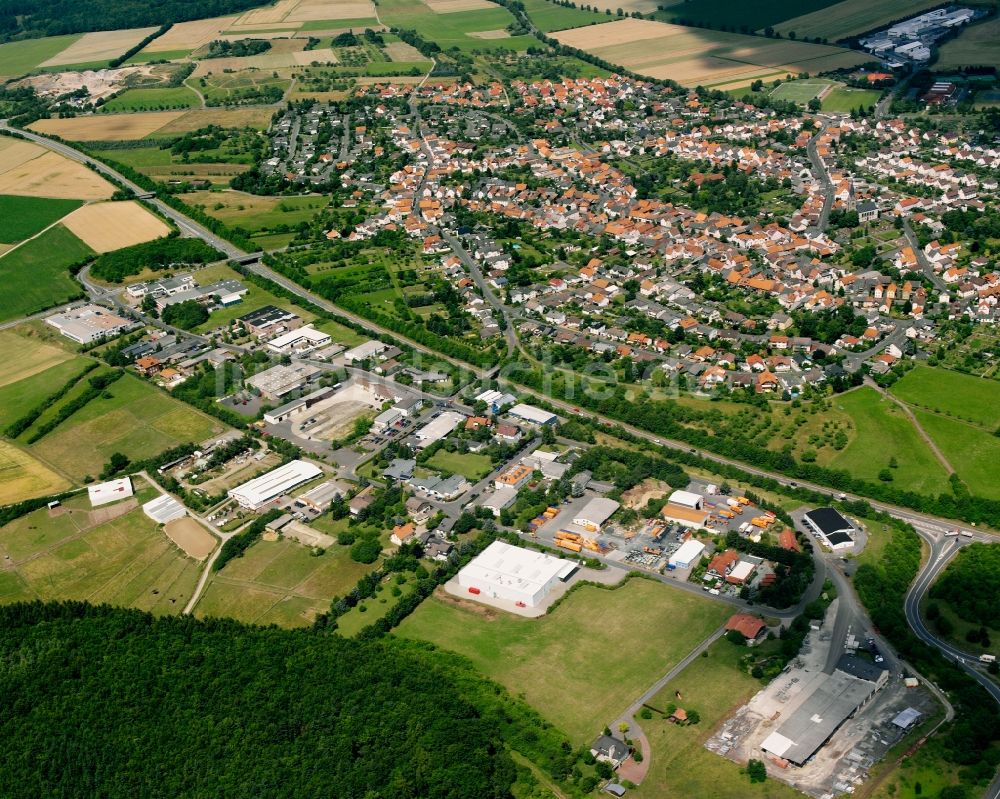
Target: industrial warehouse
x=515 y=574
x=256 y=493
x=830 y=526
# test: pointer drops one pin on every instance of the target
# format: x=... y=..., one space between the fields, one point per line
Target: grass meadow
x=16 y=58
x=951 y=393
x=23 y=217
x=581 y=665
x=468 y=464
x=162 y=99
x=36 y=275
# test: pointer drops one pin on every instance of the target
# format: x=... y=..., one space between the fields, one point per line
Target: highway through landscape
x=932 y=530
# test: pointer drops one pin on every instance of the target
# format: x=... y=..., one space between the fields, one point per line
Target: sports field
x=468 y=464
x=977 y=45
x=881 y=432
x=714 y=686
x=693 y=56
x=17 y=58
x=35 y=276
x=28 y=170
x=110 y=226
x=952 y=393
x=280 y=582
x=107 y=127
x=23 y=477
x=581 y=665
x=136 y=419
x=23 y=217
x=852 y=17
x=80 y=553
x=190 y=536
x=800 y=91
x=845 y=99
x=163 y=99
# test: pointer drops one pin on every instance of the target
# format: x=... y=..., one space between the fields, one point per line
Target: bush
x=366 y=550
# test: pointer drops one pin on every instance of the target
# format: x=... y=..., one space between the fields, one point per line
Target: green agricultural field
x=163 y=99
x=738 y=15
x=16 y=58
x=136 y=419
x=168 y=55
x=846 y=99
x=951 y=393
x=883 y=431
x=36 y=275
x=581 y=665
x=255 y=298
x=799 y=91
x=715 y=686
x=849 y=17
x=548 y=16
x=280 y=582
x=468 y=464
x=972 y=452
x=456 y=29
x=23 y=217
x=257 y=214
x=19 y=397
x=977 y=45
x=79 y=555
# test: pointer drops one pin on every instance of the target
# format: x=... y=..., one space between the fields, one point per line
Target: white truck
x=987 y=658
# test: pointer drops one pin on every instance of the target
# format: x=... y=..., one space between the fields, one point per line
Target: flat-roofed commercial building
x=595 y=513
x=687 y=499
x=436 y=429
x=88 y=324
x=529 y=413
x=685 y=516
x=688 y=555
x=258 y=492
x=514 y=574
x=831 y=527
x=111 y=491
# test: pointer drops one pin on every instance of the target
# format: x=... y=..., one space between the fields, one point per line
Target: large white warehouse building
x=515 y=574
x=256 y=493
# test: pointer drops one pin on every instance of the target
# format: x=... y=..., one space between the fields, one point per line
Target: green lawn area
x=141 y=156
x=138 y=420
x=154 y=99
x=16 y=58
x=581 y=665
x=455 y=29
x=36 y=275
x=548 y=16
x=126 y=561
x=972 y=452
x=882 y=431
x=257 y=213
x=715 y=686
x=468 y=464
x=255 y=298
x=373 y=609
x=280 y=582
x=846 y=99
x=145 y=57
x=23 y=217
x=941 y=390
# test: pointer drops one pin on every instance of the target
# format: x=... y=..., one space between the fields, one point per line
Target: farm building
x=834 y=699
x=88 y=323
x=436 y=429
x=688 y=555
x=164 y=509
x=111 y=491
x=256 y=493
x=686 y=499
x=533 y=415
x=514 y=574
x=831 y=527
x=684 y=516
x=595 y=513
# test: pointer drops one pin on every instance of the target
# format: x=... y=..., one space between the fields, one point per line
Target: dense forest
x=971 y=584
x=110 y=702
x=159 y=254
x=25 y=19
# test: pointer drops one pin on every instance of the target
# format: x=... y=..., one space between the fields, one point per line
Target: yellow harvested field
x=401 y=51
x=268 y=14
x=451 y=6
x=190 y=536
x=51 y=175
x=23 y=476
x=495 y=34
x=223 y=117
x=266 y=61
x=851 y=17
x=694 y=56
x=107 y=127
x=628 y=6
x=110 y=226
x=190 y=35
x=14 y=152
x=316 y=10
x=99 y=46
x=24 y=357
